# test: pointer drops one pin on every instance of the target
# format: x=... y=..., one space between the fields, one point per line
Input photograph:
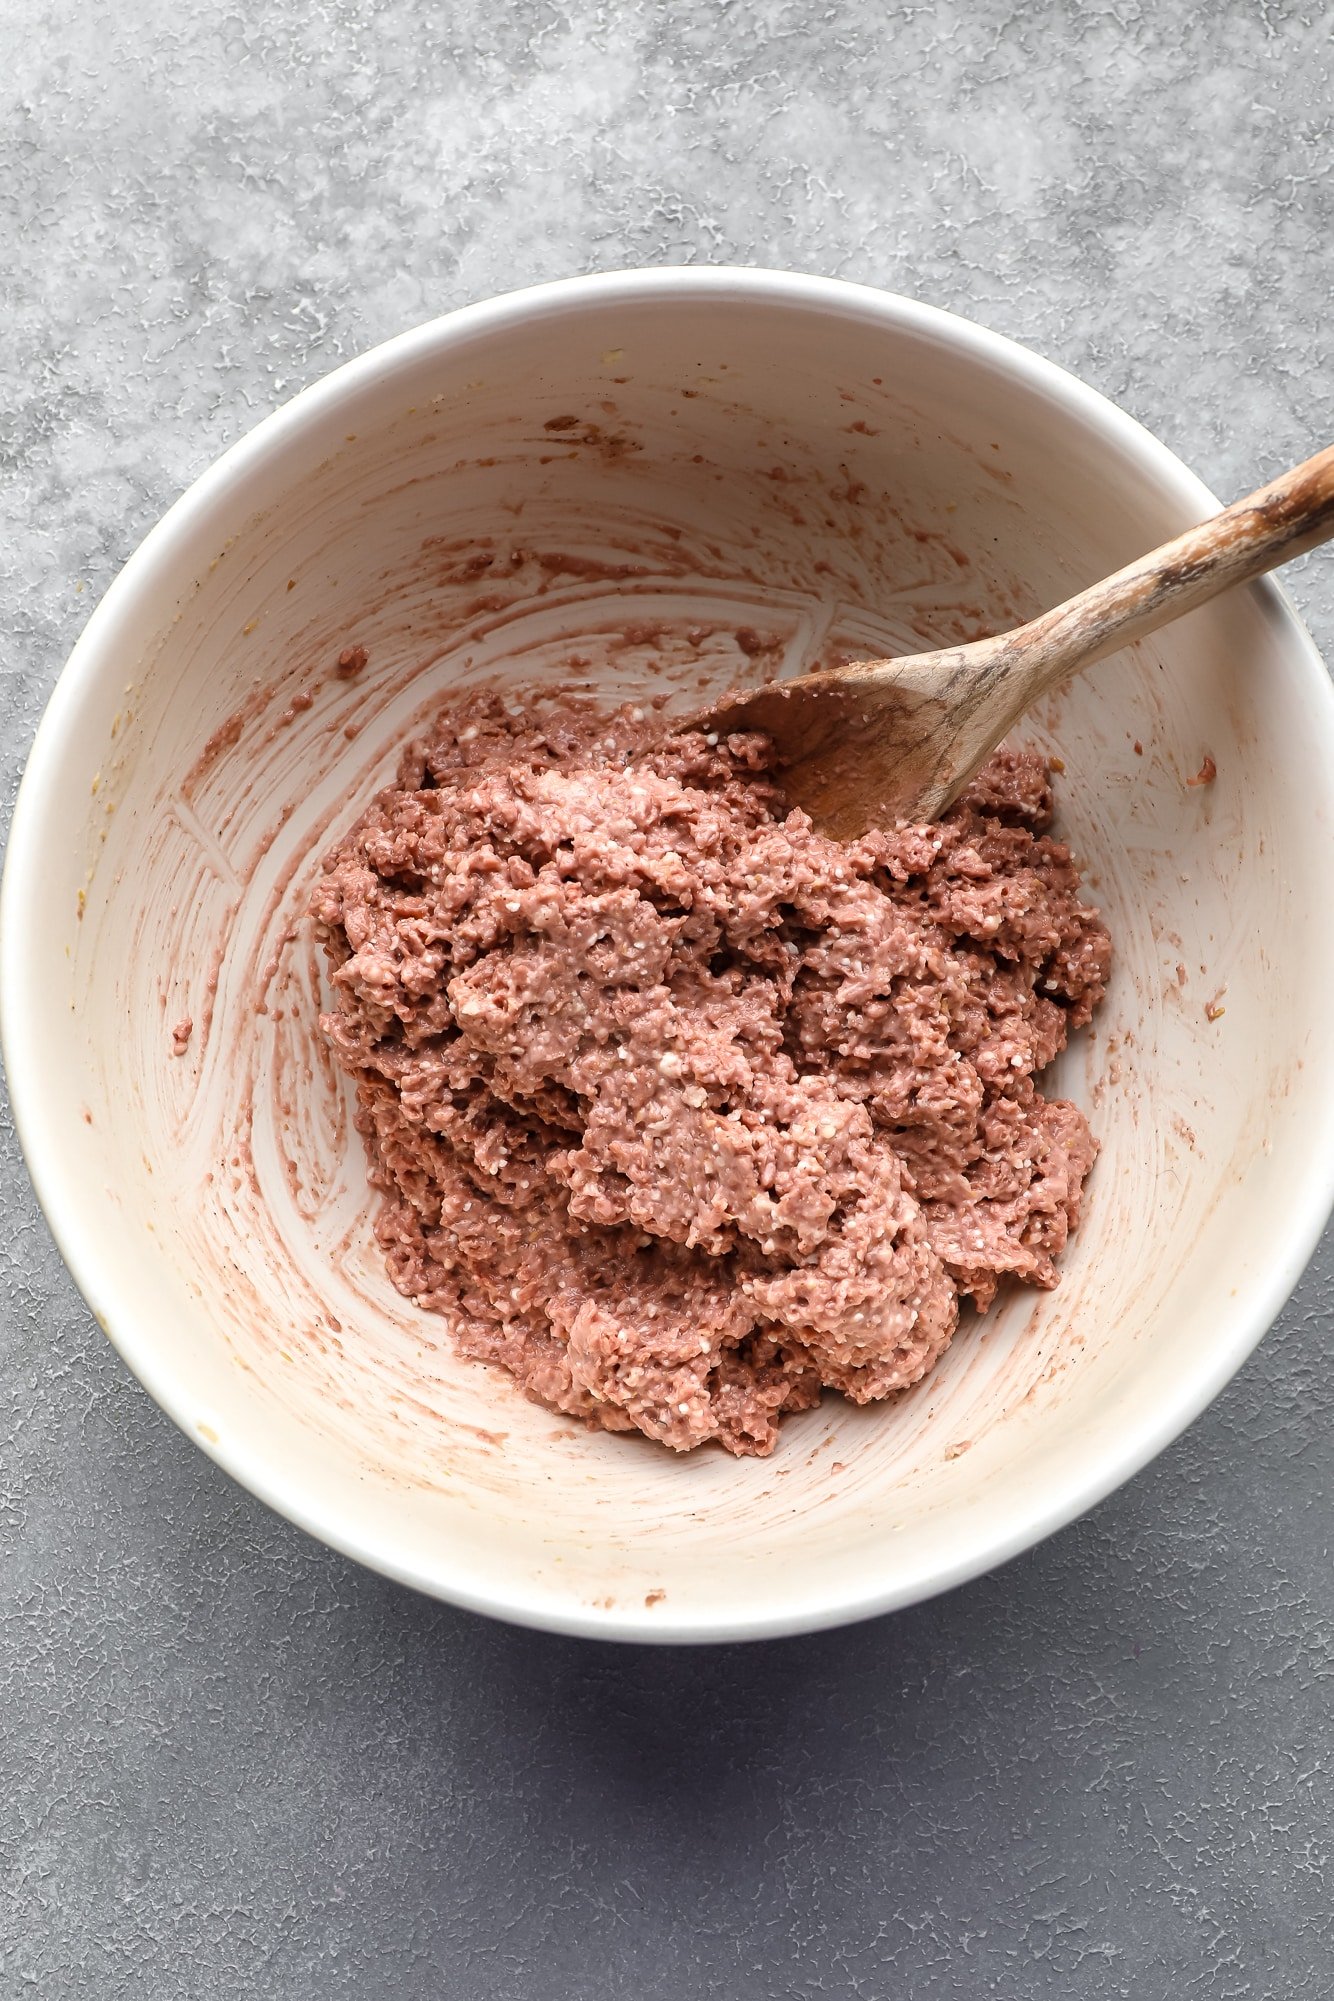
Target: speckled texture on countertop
x=233 y=1764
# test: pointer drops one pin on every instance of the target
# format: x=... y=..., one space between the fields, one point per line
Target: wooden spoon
x=885 y=740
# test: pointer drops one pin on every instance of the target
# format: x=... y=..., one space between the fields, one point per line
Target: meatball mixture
x=679 y=1111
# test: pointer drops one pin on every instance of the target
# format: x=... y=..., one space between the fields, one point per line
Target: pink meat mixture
x=679 y=1111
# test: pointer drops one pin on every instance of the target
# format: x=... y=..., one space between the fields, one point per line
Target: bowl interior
x=671 y=489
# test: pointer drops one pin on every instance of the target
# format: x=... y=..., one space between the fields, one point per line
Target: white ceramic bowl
x=835 y=468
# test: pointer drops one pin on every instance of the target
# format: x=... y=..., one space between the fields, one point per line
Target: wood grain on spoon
x=884 y=740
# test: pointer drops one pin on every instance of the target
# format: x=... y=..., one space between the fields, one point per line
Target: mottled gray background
x=233 y=1764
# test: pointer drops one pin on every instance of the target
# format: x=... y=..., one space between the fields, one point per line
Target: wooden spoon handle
x=1282 y=520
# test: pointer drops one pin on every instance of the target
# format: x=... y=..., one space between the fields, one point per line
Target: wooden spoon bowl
x=880 y=741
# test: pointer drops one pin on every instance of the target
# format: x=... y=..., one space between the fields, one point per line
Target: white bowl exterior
x=836 y=469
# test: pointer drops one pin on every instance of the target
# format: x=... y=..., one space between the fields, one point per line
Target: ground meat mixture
x=679 y=1111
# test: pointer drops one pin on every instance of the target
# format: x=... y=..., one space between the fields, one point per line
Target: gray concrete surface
x=232 y=1764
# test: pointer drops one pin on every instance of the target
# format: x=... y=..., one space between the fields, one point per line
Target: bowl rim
x=1126 y=1453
